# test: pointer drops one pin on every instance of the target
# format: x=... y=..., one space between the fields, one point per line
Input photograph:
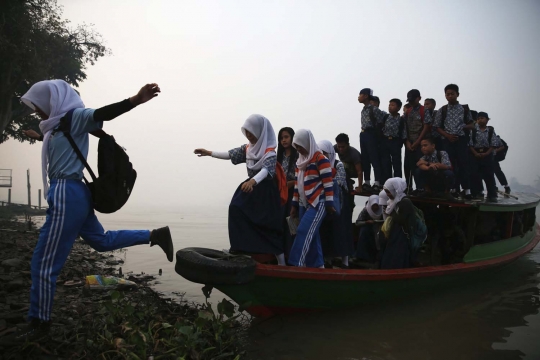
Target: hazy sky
x=300 y=64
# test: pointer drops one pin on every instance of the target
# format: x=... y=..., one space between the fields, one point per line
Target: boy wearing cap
x=371 y=118
x=418 y=125
x=393 y=136
x=452 y=121
x=483 y=142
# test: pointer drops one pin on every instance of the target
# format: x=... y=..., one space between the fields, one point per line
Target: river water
x=495 y=320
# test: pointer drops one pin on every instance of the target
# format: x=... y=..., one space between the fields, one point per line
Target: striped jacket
x=318 y=181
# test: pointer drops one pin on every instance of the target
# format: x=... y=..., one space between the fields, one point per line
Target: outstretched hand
x=32 y=134
x=147 y=92
x=202 y=152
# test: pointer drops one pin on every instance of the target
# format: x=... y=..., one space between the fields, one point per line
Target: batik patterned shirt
x=433 y=158
x=285 y=164
x=453 y=123
x=238 y=156
x=391 y=127
x=365 y=117
x=482 y=139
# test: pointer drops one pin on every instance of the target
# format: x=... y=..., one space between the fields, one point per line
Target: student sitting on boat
x=483 y=142
x=394 y=233
x=287 y=156
x=366 y=248
x=255 y=214
x=434 y=172
x=336 y=230
x=383 y=203
x=313 y=198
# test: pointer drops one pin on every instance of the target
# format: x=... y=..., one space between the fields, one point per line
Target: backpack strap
x=444 y=111
x=65 y=127
x=466 y=111
x=490 y=134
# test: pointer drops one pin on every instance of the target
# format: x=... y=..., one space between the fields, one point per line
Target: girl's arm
x=109 y=112
x=325 y=171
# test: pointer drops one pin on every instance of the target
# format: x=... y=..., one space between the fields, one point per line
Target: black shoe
x=468 y=197
x=455 y=195
x=507 y=190
x=35 y=330
x=367 y=188
x=162 y=237
x=376 y=188
x=492 y=199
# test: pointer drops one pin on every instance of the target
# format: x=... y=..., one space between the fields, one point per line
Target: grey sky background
x=300 y=64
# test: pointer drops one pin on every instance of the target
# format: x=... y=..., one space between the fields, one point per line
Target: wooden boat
x=272 y=289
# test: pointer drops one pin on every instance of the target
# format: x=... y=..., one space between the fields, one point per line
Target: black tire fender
x=214 y=267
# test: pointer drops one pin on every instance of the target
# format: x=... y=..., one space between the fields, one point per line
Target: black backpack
x=501 y=155
x=444 y=112
x=111 y=190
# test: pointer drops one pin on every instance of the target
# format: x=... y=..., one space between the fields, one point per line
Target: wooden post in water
x=39 y=199
x=28 y=184
x=9 y=197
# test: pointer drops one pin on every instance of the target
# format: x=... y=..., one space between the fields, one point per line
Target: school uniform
x=438 y=180
x=70 y=213
x=483 y=168
x=313 y=192
x=366 y=248
x=255 y=218
x=437 y=138
x=497 y=167
x=336 y=231
x=414 y=124
x=371 y=117
x=394 y=134
x=458 y=151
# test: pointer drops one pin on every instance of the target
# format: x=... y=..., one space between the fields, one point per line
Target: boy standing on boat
x=500 y=155
x=434 y=171
x=429 y=106
x=371 y=117
x=394 y=135
x=418 y=125
x=483 y=142
x=352 y=161
x=452 y=121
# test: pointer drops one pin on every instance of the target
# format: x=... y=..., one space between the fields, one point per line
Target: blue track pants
x=307 y=249
x=70 y=214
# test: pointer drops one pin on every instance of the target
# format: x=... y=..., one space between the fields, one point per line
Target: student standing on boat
x=336 y=230
x=70 y=211
x=418 y=125
x=366 y=249
x=371 y=117
x=452 y=121
x=401 y=220
x=429 y=106
x=287 y=156
x=500 y=155
x=313 y=198
x=483 y=142
x=352 y=161
x=394 y=135
x=434 y=172
x=255 y=214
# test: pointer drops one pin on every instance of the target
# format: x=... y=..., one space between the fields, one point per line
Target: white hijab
x=327 y=147
x=383 y=201
x=397 y=187
x=54 y=98
x=261 y=128
x=374 y=199
x=305 y=139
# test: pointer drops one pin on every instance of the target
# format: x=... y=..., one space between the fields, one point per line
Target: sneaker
x=162 y=238
x=376 y=188
x=492 y=199
x=507 y=190
x=367 y=188
x=35 y=330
